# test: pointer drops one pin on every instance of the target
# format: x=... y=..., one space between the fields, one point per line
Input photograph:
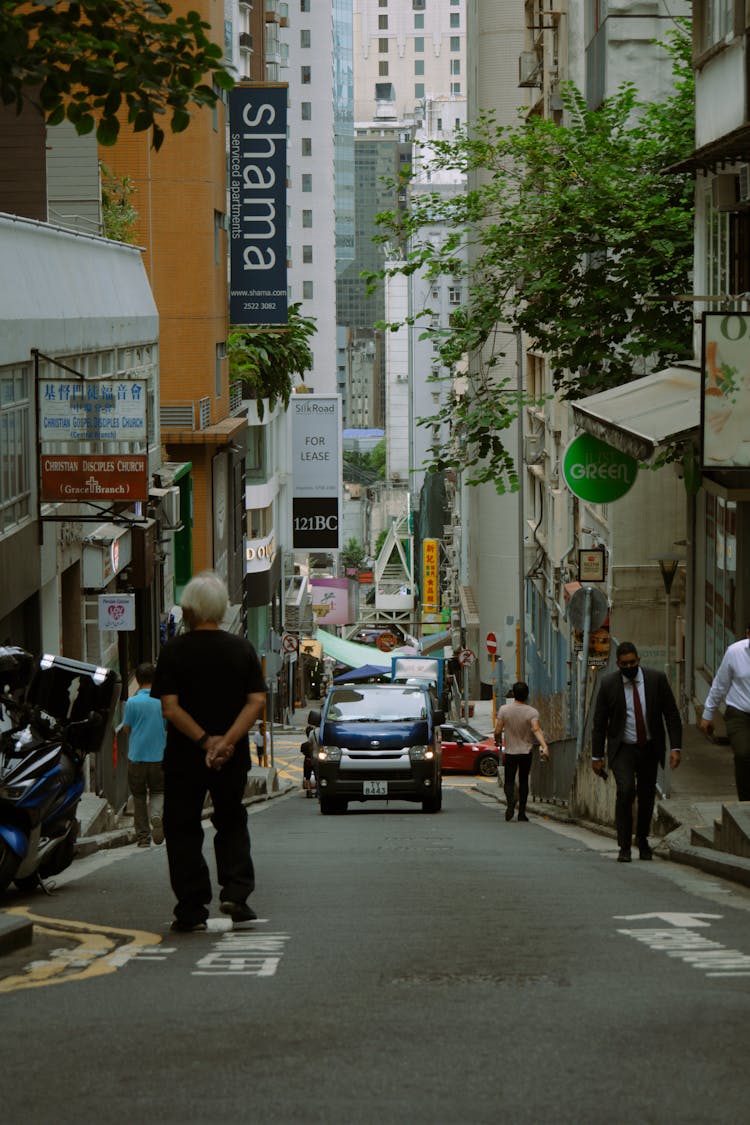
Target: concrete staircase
x=726 y=828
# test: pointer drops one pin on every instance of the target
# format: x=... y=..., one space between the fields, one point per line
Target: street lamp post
x=668 y=566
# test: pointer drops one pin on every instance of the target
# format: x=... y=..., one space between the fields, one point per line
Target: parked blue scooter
x=59 y=710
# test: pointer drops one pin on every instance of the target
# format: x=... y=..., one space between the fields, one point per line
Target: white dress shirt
x=732 y=681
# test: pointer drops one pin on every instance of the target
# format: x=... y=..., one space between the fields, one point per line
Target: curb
x=14 y=932
x=734 y=868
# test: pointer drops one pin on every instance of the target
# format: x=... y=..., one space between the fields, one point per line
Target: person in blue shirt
x=147 y=737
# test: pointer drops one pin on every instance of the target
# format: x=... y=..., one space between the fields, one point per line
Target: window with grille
x=15 y=446
x=307 y=255
x=307 y=181
x=305 y=74
x=307 y=219
x=306 y=111
x=306 y=146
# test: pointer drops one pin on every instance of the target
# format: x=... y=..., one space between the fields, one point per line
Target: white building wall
x=311 y=154
x=397 y=390
x=490 y=548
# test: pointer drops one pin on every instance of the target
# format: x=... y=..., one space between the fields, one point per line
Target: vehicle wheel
x=28 y=883
x=487 y=766
x=433 y=804
x=61 y=857
x=328 y=806
x=9 y=864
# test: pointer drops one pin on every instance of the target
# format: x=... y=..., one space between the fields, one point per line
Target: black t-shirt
x=211 y=672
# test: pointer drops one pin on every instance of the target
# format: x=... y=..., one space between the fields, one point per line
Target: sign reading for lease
x=83 y=477
x=77 y=410
x=316 y=473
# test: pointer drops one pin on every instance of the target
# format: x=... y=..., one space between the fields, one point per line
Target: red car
x=465 y=750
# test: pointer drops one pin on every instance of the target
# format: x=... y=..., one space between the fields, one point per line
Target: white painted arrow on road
x=685 y=920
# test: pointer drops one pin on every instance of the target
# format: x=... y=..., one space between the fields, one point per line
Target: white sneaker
x=157 y=830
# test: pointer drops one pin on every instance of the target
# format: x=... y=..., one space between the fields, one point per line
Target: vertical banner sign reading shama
x=316 y=490
x=257 y=205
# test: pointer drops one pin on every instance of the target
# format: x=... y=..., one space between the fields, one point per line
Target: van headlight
x=421 y=753
x=329 y=754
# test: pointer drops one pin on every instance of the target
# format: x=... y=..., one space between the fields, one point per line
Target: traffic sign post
x=289 y=643
x=492 y=650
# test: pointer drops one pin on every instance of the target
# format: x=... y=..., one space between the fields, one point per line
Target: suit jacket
x=610 y=713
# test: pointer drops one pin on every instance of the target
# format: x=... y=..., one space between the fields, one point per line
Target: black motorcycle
x=56 y=711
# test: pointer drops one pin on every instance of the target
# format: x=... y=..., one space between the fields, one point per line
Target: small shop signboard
x=120 y=478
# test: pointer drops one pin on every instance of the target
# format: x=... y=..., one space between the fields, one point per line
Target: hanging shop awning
x=638 y=417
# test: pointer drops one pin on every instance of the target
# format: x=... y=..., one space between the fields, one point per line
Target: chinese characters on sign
x=71 y=410
x=430 y=558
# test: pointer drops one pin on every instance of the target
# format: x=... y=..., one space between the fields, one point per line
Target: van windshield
x=352 y=704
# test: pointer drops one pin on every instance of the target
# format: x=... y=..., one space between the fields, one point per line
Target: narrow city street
x=453 y=968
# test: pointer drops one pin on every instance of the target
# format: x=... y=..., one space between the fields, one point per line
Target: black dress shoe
x=509 y=812
x=624 y=856
x=522 y=816
x=644 y=851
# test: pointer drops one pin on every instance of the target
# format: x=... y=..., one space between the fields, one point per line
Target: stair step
x=735 y=828
x=702 y=836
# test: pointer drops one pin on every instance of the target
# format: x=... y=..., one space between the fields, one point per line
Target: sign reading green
x=596 y=471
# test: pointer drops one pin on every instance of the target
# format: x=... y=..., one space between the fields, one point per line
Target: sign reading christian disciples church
x=257 y=205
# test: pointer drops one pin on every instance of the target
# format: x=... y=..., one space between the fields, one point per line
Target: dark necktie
x=640 y=723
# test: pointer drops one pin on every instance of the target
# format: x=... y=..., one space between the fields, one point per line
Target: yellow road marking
x=95 y=955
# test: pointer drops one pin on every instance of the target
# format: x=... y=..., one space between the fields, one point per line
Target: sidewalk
x=701 y=806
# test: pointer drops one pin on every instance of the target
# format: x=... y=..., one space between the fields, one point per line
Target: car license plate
x=375 y=788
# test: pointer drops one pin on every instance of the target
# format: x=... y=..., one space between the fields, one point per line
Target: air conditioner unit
x=528 y=69
x=533 y=448
x=724 y=192
x=743 y=184
x=168 y=500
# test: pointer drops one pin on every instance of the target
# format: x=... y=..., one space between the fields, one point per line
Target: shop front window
x=721 y=579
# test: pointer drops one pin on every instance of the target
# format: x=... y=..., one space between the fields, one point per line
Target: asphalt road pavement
x=450 y=968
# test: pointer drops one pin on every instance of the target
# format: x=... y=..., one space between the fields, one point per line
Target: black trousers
x=185 y=791
x=738 y=731
x=520 y=764
x=635 y=769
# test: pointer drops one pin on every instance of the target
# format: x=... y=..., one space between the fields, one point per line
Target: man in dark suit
x=632 y=709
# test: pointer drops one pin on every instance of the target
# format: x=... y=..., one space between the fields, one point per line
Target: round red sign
x=491 y=644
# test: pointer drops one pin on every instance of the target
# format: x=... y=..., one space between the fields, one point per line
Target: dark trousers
x=635 y=769
x=185 y=791
x=738 y=733
x=520 y=764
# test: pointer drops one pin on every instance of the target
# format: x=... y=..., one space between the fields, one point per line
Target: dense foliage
x=571 y=234
x=265 y=360
x=91 y=60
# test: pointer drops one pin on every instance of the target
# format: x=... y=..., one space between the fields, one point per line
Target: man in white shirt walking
x=732 y=684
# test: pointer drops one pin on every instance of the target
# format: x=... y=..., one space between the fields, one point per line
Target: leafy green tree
x=377 y=459
x=90 y=60
x=264 y=360
x=573 y=236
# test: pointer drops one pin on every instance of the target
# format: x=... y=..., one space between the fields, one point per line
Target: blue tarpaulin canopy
x=365 y=672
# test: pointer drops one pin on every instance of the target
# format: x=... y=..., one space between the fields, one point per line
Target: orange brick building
x=180 y=197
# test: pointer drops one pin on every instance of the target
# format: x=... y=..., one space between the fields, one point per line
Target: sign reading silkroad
x=597 y=472
x=316 y=487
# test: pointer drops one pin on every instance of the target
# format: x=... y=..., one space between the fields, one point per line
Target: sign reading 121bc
x=597 y=472
x=316 y=473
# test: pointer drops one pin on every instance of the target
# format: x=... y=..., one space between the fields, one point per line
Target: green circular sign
x=596 y=471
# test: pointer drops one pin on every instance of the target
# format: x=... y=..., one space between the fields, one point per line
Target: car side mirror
x=438 y=718
x=313 y=718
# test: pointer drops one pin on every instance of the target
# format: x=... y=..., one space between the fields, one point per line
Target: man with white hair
x=212 y=691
